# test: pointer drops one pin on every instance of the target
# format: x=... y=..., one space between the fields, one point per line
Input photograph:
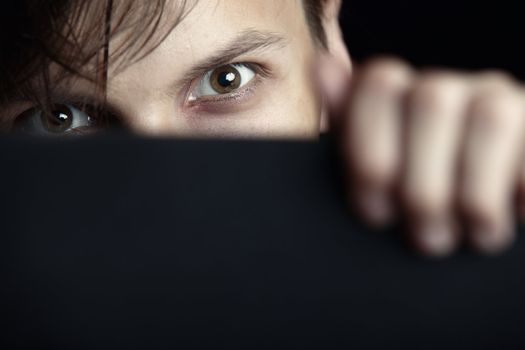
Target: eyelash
x=261 y=73
x=101 y=113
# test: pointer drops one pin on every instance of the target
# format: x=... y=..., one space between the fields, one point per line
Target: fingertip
x=435 y=239
x=489 y=241
x=490 y=230
x=375 y=207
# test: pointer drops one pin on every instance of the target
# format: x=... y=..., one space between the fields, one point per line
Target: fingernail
x=376 y=207
x=436 y=239
x=491 y=241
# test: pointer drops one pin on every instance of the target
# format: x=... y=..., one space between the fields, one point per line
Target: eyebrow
x=247 y=41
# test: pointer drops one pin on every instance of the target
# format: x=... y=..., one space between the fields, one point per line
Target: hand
x=442 y=150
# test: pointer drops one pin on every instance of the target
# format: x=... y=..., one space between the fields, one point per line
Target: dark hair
x=73 y=37
x=314 y=16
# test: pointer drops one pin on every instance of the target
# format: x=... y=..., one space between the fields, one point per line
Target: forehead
x=205 y=25
x=246 y=13
x=202 y=28
x=202 y=16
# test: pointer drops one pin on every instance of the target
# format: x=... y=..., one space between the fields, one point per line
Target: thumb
x=334 y=80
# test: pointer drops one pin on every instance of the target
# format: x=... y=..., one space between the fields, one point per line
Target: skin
x=287 y=91
x=444 y=148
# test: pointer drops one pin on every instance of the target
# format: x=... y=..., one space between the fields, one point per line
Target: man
x=280 y=69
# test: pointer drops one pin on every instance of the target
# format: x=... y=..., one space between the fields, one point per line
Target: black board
x=122 y=242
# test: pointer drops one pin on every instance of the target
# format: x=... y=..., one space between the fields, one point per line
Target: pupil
x=59 y=120
x=226 y=79
x=61 y=117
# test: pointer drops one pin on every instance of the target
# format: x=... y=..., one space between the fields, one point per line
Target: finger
x=490 y=163
x=334 y=80
x=373 y=141
x=521 y=177
x=436 y=108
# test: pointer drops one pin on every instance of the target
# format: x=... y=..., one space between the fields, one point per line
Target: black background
x=456 y=34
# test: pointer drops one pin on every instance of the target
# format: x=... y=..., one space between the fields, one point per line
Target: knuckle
x=376 y=172
x=425 y=202
x=496 y=79
x=521 y=91
x=476 y=207
x=497 y=108
x=386 y=73
x=434 y=90
x=386 y=62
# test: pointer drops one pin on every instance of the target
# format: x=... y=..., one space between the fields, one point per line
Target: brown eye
x=62 y=119
x=225 y=79
x=58 y=120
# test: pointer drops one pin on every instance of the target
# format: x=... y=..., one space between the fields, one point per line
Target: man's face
x=229 y=68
